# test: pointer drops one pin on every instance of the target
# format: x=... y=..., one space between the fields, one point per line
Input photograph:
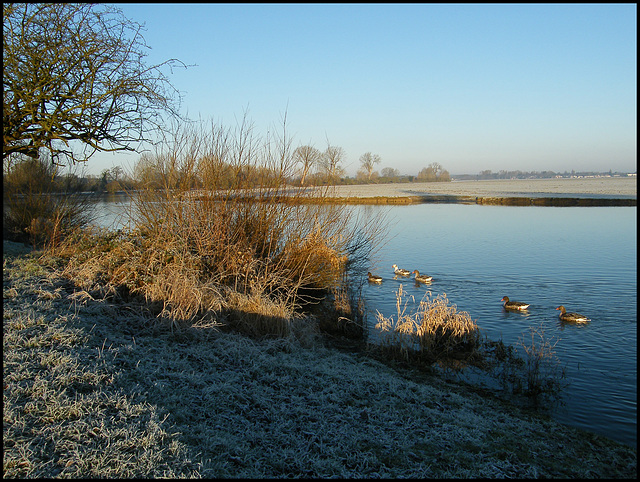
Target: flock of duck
x=568 y=317
x=420 y=278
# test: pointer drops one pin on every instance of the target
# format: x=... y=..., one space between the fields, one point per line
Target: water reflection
x=112 y=210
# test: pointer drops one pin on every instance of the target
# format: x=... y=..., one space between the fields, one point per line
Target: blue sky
x=472 y=87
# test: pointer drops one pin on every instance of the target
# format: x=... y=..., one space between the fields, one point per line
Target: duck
x=421 y=278
x=400 y=271
x=571 y=317
x=514 y=305
x=373 y=278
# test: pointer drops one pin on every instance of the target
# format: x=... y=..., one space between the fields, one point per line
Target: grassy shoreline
x=99 y=389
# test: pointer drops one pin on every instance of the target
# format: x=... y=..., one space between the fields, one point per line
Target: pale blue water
x=581 y=257
x=111 y=210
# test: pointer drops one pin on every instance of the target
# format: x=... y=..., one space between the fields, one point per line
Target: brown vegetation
x=38 y=205
x=436 y=332
x=210 y=245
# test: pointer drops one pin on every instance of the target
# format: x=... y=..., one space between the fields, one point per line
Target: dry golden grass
x=437 y=335
x=37 y=207
x=435 y=332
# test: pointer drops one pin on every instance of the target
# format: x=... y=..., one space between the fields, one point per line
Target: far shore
x=606 y=191
x=602 y=191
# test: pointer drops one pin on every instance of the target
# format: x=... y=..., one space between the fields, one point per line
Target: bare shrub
x=218 y=229
x=37 y=209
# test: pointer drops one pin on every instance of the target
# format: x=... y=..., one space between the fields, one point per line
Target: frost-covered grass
x=97 y=389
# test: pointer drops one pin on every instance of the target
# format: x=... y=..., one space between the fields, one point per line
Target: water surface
x=583 y=258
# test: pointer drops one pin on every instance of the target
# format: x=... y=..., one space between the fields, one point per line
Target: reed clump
x=544 y=375
x=209 y=243
x=436 y=332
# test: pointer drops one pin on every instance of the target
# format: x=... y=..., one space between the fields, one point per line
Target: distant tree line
x=27 y=174
x=313 y=168
x=503 y=174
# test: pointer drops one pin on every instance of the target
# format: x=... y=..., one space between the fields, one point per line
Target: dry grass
x=437 y=335
x=436 y=332
x=94 y=388
x=242 y=291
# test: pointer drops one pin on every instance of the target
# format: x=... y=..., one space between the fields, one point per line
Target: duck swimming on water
x=400 y=271
x=571 y=317
x=421 y=278
x=514 y=305
x=373 y=278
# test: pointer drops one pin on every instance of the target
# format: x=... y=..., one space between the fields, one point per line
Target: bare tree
x=437 y=168
x=434 y=172
x=368 y=161
x=307 y=156
x=116 y=171
x=389 y=172
x=75 y=82
x=331 y=163
x=427 y=174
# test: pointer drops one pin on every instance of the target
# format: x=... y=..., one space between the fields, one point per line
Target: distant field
x=613 y=187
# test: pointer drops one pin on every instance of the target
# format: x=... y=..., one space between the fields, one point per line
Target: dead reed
x=436 y=332
x=544 y=373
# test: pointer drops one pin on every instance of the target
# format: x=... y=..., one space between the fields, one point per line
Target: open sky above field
x=472 y=86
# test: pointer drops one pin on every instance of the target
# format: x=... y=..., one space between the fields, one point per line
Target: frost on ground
x=613 y=187
x=97 y=389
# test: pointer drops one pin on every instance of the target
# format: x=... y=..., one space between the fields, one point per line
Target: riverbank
x=613 y=191
x=100 y=389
